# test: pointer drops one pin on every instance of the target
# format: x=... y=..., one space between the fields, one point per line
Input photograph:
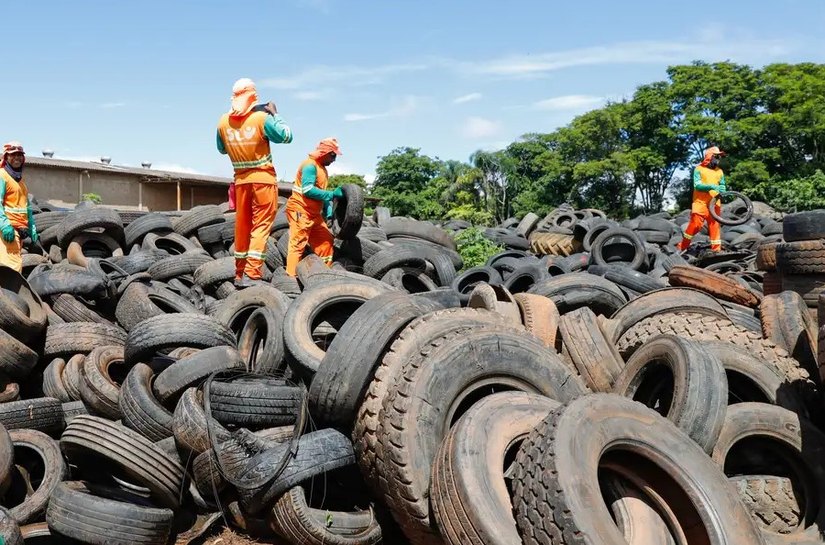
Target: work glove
x=338 y=193
x=33 y=234
x=327 y=210
x=8 y=233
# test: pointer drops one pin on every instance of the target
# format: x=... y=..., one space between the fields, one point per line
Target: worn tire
x=556 y=492
x=98 y=389
x=594 y=355
x=54 y=468
x=178 y=265
x=575 y=290
x=150 y=223
x=97 y=217
x=44 y=414
x=804 y=226
x=713 y=283
x=607 y=238
x=255 y=403
x=197 y=217
x=349 y=212
x=24 y=316
x=66 y=340
x=787 y=323
x=192 y=370
x=469 y=495
x=802 y=257
x=169 y=331
x=685 y=382
x=140 y=408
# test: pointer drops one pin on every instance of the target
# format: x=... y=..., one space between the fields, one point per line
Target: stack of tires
x=800 y=260
x=600 y=396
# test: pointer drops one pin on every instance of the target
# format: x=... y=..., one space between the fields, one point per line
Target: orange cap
x=13 y=147
x=325 y=146
x=244 y=97
x=709 y=153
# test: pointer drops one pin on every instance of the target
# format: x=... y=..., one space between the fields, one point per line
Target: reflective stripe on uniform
x=687 y=236
x=240 y=255
x=256 y=255
x=716 y=242
x=11 y=210
x=326 y=259
x=252 y=164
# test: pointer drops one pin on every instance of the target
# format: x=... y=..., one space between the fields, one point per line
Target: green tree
x=337 y=180
x=401 y=178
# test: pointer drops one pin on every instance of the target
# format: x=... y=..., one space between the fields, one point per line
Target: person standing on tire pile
x=708 y=182
x=16 y=219
x=310 y=205
x=244 y=133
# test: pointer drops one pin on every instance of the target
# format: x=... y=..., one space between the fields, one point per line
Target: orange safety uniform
x=245 y=138
x=16 y=209
x=306 y=221
x=705 y=180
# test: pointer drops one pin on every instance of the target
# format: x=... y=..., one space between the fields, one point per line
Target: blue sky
x=148 y=80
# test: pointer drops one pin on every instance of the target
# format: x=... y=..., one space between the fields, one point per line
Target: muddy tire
x=34 y=450
x=21 y=309
x=16 y=359
x=787 y=323
x=774 y=502
x=470 y=500
x=44 y=414
x=98 y=217
x=140 y=408
x=563 y=503
x=98 y=390
x=53 y=380
x=255 y=403
x=66 y=340
x=539 y=316
x=192 y=370
x=575 y=290
x=804 y=226
x=595 y=357
x=169 y=331
x=261 y=343
x=713 y=283
x=349 y=212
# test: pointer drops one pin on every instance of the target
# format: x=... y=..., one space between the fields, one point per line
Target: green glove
x=33 y=234
x=327 y=209
x=338 y=193
x=8 y=233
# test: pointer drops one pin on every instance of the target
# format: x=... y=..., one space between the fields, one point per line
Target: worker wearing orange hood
x=244 y=133
x=708 y=181
x=310 y=204
x=16 y=219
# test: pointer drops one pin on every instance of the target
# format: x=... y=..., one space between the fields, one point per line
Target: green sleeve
x=308 y=176
x=723 y=183
x=4 y=221
x=219 y=142
x=276 y=130
x=32 y=227
x=699 y=186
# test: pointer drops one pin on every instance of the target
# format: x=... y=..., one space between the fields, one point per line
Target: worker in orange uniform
x=310 y=204
x=244 y=133
x=708 y=182
x=16 y=219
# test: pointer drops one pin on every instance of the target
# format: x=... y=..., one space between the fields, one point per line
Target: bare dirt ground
x=221 y=535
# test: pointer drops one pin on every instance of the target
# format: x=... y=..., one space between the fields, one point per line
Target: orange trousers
x=255 y=206
x=307 y=229
x=698 y=219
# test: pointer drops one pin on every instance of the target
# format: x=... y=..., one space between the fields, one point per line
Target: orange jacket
x=246 y=140
x=300 y=201
x=15 y=200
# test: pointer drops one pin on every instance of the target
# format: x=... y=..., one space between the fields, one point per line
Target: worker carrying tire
x=708 y=182
x=310 y=205
x=244 y=133
x=16 y=219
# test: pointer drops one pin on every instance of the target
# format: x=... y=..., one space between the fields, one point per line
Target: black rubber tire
x=608 y=236
x=594 y=355
x=73 y=409
x=98 y=389
x=261 y=343
x=297 y=522
x=140 y=408
x=88 y=438
x=53 y=380
x=743 y=219
x=169 y=331
x=97 y=217
x=804 y=226
x=469 y=503
x=44 y=414
x=103 y=515
x=192 y=370
x=809 y=286
x=786 y=322
x=350 y=361
x=398 y=226
x=6 y=459
x=527 y=224
x=306 y=310
x=418 y=413
x=562 y=502
x=316 y=453
x=71 y=309
x=409 y=280
x=255 y=403
x=469 y=279
x=16 y=359
x=575 y=290
x=197 y=217
x=215 y=272
x=802 y=257
x=189 y=425
x=140 y=302
x=626 y=277
x=150 y=223
x=74 y=280
x=177 y=265
x=682 y=381
x=139 y=261
x=349 y=212
x=393 y=257
x=49 y=460
x=72 y=377
x=66 y=340
x=758 y=438
x=359 y=249
x=236 y=309
x=522 y=279
x=24 y=316
x=172 y=244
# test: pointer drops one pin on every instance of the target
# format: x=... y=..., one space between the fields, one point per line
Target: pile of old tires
x=605 y=389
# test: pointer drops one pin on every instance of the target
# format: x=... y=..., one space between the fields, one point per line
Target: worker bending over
x=708 y=182
x=310 y=204
x=16 y=219
x=244 y=134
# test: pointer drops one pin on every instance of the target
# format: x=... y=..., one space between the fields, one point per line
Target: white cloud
x=467 y=98
x=406 y=107
x=311 y=96
x=716 y=47
x=478 y=127
x=569 y=103
x=320 y=76
x=112 y=105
